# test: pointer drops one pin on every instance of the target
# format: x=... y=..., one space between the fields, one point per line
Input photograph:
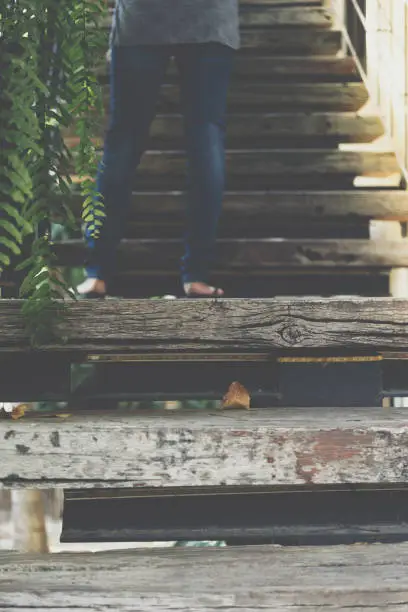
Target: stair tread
x=263 y=129
x=380 y=204
x=334 y=578
x=251 y=255
x=262 y=15
x=264 y=447
x=248 y=96
x=230 y=325
x=275 y=68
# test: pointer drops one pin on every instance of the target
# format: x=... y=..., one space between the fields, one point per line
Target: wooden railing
x=376 y=34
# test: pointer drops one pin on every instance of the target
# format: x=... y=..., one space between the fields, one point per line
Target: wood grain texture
x=326 y=68
x=253 y=255
x=307 y=97
x=265 y=15
x=291 y=41
x=274 y=169
x=162 y=449
x=221 y=325
x=268 y=206
x=262 y=130
x=336 y=579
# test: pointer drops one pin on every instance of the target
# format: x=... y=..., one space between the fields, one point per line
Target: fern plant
x=47 y=83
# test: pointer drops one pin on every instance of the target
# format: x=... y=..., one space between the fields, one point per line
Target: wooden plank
x=279 y=68
x=291 y=41
x=253 y=255
x=273 y=97
x=287 y=41
x=263 y=130
x=263 y=207
x=264 y=15
x=162 y=448
x=334 y=579
x=275 y=169
x=230 y=325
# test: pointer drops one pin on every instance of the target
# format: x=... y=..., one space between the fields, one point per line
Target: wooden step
x=275 y=169
x=267 y=207
x=331 y=579
x=265 y=15
x=159 y=448
x=273 y=97
x=290 y=41
x=264 y=130
x=252 y=255
x=277 y=69
x=196 y=326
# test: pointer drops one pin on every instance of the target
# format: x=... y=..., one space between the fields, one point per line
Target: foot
x=202 y=290
x=92 y=285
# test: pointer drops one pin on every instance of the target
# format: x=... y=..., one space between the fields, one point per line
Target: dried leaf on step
x=237 y=397
x=19 y=411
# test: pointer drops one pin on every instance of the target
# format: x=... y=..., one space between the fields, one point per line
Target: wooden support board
x=337 y=579
x=220 y=326
x=162 y=449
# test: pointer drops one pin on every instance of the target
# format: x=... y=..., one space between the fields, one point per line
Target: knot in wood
x=292 y=334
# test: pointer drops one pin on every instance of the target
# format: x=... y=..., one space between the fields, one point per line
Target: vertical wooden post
x=30 y=535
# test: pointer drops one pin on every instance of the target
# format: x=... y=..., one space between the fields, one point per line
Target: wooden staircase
x=306 y=172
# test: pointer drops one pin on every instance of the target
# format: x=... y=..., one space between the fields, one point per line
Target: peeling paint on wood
x=267 y=447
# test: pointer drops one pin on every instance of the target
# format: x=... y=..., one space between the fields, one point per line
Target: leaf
x=237 y=397
x=10 y=244
x=12 y=230
x=20 y=410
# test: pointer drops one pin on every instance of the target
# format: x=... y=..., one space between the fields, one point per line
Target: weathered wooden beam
x=247 y=96
x=325 y=68
x=253 y=255
x=265 y=207
x=264 y=15
x=291 y=41
x=220 y=325
x=334 y=579
x=274 y=169
x=262 y=130
x=159 y=449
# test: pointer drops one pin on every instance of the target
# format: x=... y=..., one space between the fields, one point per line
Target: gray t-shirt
x=164 y=22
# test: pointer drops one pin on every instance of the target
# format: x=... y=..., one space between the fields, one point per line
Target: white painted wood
x=161 y=449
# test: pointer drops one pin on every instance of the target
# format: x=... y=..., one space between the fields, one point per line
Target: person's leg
x=205 y=71
x=136 y=76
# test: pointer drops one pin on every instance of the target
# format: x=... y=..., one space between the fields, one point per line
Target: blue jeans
x=136 y=76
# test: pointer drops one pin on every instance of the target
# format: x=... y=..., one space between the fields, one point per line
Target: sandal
x=216 y=292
